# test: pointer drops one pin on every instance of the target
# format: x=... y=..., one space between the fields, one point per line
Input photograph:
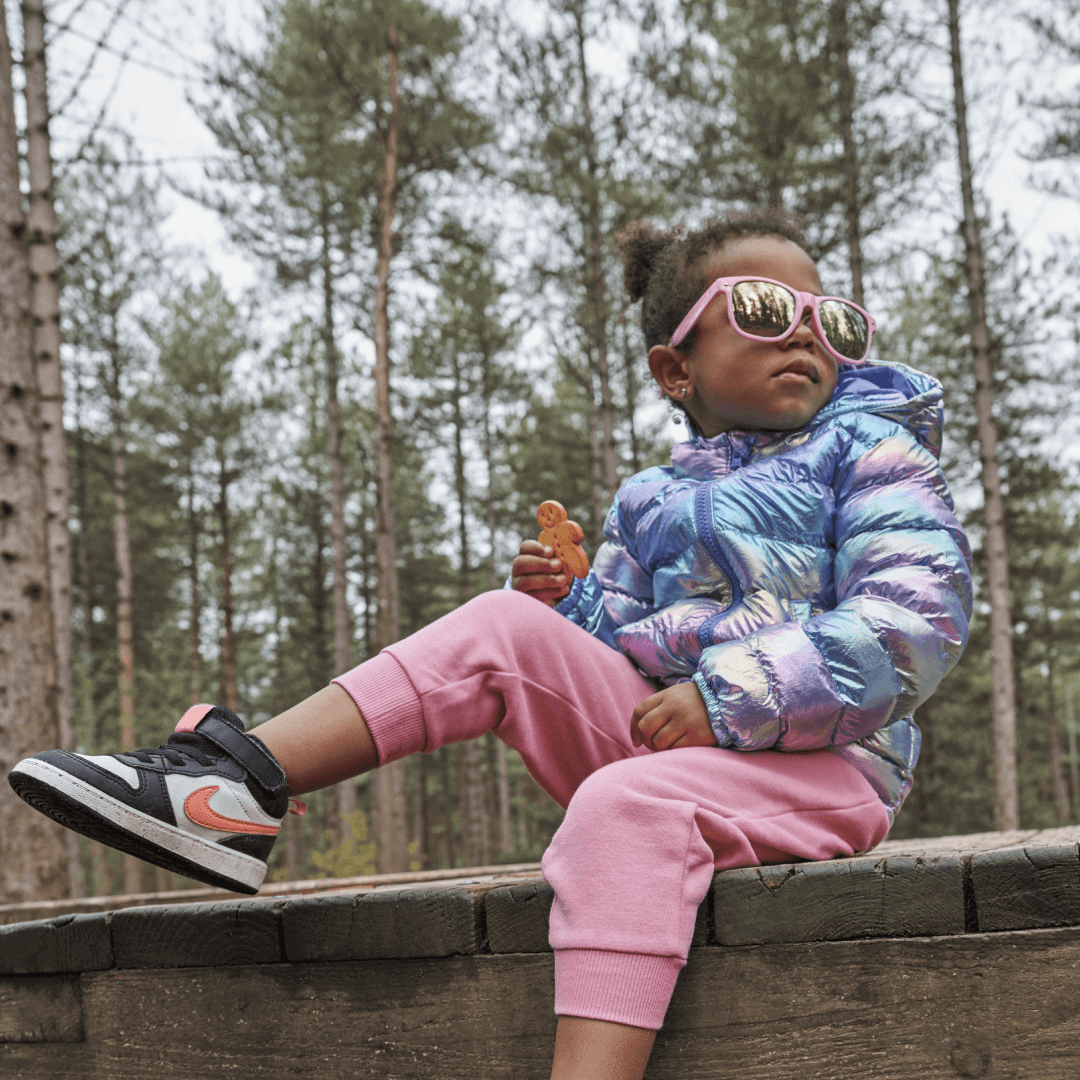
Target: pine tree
x=570 y=153
x=33 y=861
x=1056 y=30
x=1006 y=808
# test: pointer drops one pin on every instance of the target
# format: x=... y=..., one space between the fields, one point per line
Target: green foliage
x=353 y=857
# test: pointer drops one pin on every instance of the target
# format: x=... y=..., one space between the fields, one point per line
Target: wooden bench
x=957 y=957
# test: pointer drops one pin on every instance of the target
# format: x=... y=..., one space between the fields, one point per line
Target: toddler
x=732 y=684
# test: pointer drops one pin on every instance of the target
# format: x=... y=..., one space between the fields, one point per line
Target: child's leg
x=636 y=852
x=321 y=741
x=504 y=663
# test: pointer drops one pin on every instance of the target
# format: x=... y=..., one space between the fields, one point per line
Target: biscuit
x=564 y=536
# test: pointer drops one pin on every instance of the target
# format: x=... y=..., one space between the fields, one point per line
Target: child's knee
x=508 y=611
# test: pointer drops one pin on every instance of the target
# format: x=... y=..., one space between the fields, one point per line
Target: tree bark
x=33 y=854
x=125 y=636
x=196 y=600
x=389 y=793
x=846 y=102
x=1060 y=788
x=99 y=874
x=1006 y=793
x=45 y=316
x=230 y=687
x=595 y=299
x=346 y=794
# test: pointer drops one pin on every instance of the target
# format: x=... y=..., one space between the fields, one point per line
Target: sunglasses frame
x=803 y=300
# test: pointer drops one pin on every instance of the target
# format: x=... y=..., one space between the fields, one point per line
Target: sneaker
x=208 y=804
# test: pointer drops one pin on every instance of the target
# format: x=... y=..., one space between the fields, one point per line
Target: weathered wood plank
x=40 y=1009
x=1022 y=888
x=517 y=918
x=394 y=924
x=198 y=935
x=91 y=905
x=994 y=1006
x=68 y=943
x=900 y=896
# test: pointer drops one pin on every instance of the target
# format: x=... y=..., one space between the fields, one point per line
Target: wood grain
x=979 y=1005
x=400 y=924
x=198 y=935
x=68 y=943
x=900 y=896
x=40 y=1009
x=1028 y=887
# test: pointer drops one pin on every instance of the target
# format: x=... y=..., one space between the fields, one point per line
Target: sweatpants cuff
x=623 y=988
x=389 y=705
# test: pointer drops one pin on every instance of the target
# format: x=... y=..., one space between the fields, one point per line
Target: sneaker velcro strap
x=248 y=751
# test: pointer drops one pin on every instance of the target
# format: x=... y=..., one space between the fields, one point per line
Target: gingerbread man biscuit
x=564 y=536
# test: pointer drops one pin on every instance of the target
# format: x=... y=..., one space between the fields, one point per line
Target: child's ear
x=669 y=369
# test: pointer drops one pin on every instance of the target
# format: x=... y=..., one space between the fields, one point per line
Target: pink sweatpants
x=644 y=830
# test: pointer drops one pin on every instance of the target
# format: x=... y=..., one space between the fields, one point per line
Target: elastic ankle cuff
x=390 y=706
x=622 y=988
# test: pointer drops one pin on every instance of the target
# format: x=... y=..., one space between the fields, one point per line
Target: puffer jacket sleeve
x=616 y=591
x=902 y=582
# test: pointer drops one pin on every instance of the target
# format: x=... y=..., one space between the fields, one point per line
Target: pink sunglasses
x=765 y=310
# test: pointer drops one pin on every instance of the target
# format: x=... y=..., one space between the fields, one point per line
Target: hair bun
x=640 y=245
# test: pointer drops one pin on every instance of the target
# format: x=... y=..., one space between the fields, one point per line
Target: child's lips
x=805 y=368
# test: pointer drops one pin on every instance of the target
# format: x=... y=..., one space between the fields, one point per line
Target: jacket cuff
x=724 y=738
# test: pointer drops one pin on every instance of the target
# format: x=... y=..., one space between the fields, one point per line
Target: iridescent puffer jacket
x=814 y=584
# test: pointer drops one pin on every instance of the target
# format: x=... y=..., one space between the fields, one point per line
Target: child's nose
x=803 y=334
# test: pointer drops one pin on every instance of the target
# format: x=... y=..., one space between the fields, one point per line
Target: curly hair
x=665 y=269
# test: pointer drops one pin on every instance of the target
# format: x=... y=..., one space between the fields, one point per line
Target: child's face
x=733 y=384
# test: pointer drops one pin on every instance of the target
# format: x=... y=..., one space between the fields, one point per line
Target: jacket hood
x=899 y=393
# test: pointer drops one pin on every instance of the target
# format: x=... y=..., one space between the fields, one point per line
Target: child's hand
x=675 y=717
x=536 y=571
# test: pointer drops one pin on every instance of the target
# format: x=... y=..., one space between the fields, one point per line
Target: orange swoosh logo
x=197 y=808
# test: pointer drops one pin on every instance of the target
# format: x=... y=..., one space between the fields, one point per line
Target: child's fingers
x=649 y=717
x=534 y=547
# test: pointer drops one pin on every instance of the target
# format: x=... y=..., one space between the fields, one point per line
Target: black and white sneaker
x=208 y=804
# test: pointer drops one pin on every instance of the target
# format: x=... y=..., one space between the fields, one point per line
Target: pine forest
x=248 y=489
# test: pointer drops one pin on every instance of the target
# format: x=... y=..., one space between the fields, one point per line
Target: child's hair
x=665 y=269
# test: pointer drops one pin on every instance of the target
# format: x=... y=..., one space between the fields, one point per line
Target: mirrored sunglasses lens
x=845 y=328
x=762 y=309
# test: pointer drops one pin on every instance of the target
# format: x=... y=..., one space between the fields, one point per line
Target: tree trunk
x=346 y=793
x=489 y=466
x=474 y=826
x=196 y=600
x=292 y=823
x=502 y=781
x=1060 y=789
x=389 y=780
x=99 y=875
x=45 y=315
x=230 y=687
x=608 y=465
x=846 y=102
x=125 y=636
x=1006 y=794
x=1074 y=762
x=33 y=854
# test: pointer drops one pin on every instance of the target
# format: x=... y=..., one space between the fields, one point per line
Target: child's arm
x=903 y=587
